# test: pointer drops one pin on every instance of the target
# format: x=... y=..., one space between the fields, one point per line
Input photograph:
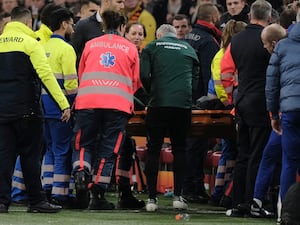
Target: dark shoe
x=44 y=207
x=213 y=201
x=226 y=202
x=82 y=193
x=244 y=208
x=68 y=203
x=196 y=199
x=3 y=208
x=260 y=212
x=81 y=181
x=22 y=202
x=130 y=202
x=100 y=204
x=234 y=213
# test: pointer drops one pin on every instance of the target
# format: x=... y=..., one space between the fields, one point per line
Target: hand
x=276 y=125
x=66 y=114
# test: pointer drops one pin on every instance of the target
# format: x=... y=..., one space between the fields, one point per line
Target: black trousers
x=176 y=122
x=196 y=152
x=21 y=137
x=251 y=141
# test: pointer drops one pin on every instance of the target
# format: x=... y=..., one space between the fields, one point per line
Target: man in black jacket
x=250 y=59
x=91 y=27
x=205 y=39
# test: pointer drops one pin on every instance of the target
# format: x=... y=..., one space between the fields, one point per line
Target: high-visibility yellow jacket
x=23 y=64
x=62 y=59
x=43 y=34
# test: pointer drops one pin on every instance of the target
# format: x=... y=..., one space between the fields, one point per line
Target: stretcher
x=205 y=123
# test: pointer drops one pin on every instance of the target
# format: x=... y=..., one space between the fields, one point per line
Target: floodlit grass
x=199 y=214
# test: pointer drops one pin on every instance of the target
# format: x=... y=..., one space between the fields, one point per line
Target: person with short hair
x=103 y=105
x=237 y=10
x=18 y=193
x=92 y=27
x=4 y=19
x=57 y=163
x=21 y=125
x=88 y=8
x=282 y=99
x=253 y=121
x=205 y=38
x=271 y=157
x=169 y=68
x=182 y=25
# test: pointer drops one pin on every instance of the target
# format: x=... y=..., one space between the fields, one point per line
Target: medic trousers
x=99 y=134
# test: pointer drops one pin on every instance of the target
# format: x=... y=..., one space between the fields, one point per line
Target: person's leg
x=85 y=137
x=270 y=158
x=30 y=138
x=61 y=137
x=156 y=130
x=7 y=153
x=258 y=139
x=124 y=163
x=240 y=170
x=224 y=171
x=179 y=123
x=48 y=161
x=112 y=125
x=290 y=147
x=18 y=192
x=193 y=188
x=271 y=155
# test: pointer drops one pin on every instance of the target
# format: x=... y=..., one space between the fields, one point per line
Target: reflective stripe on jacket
x=108 y=74
x=62 y=60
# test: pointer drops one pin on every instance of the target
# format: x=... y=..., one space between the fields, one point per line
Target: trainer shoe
x=3 y=208
x=179 y=203
x=130 y=202
x=257 y=211
x=43 y=207
x=152 y=205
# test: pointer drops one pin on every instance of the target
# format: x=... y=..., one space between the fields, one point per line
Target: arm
x=145 y=69
x=77 y=40
x=216 y=76
x=39 y=61
x=208 y=51
x=273 y=85
x=136 y=73
x=228 y=77
x=70 y=74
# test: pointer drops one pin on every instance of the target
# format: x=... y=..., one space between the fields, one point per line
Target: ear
x=64 y=25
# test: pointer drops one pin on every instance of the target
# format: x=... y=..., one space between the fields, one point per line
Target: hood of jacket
x=15 y=26
x=295 y=33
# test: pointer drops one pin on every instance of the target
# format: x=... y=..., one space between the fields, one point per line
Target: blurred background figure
x=88 y=8
x=165 y=10
x=8 y=5
x=135 y=32
x=4 y=19
x=182 y=25
x=137 y=13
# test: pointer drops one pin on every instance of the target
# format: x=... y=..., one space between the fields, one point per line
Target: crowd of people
x=87 y=65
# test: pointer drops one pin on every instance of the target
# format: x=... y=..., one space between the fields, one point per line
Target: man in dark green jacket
x=169 y=68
